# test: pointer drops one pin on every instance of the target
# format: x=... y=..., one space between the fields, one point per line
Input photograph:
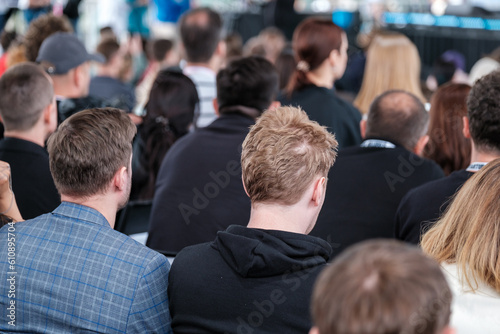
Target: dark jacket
x=199 y=189
x=32 y=181
x=246 y=281
x=422 y=206
x=325 y=107
x=365 y=186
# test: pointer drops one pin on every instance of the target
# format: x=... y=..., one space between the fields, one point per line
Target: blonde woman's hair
x=283 y=153
x=468 y=234
x=392 y=62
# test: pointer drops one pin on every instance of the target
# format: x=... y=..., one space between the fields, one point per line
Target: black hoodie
x=246 y=281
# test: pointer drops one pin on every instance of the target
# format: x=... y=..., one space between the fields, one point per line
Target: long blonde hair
x=392 y=62
x=468 y=234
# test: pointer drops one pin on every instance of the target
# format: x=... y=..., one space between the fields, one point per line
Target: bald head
x=399 y=117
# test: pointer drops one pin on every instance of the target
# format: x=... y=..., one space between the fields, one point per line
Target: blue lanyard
x=476 y=166
x=377 y=143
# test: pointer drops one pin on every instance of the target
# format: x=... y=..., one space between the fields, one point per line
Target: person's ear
x=419 y=147
x=362 y=128
x=314 y=330
x=466 y=128
x=319 y=191
x=121 y=178
x=274 y=105
x=244 y=187
x=215 y=103
x=221 y=49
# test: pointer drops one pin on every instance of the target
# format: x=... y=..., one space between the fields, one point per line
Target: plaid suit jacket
x=74 y=273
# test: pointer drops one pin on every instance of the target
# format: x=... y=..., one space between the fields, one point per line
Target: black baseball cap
x=62 y=51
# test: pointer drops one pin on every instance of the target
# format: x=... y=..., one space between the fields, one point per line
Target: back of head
x=200 y=31
x=108 y=47
x=447 y=144
x=159 y=48
x=467 y=234
x=250 y=82
x=41 y=28
x=392 y=62
x=87 y=150
x=381 y=287
x=399 y=117
x=282 y=154
x=313 y=41
x=25 y=91
x=483 y=108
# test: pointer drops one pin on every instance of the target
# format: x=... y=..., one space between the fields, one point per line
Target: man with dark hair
x=382 y=287
x=200 y=31
x=107 y=84
x=65 y=59
x=74 y=273
x=200 y=177
x=28 y=111
x=422 y=206
x=368 y=181
x=259 y=278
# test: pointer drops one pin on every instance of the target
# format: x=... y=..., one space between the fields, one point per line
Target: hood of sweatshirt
x=264 y=253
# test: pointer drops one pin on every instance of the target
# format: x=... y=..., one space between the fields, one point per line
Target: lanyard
x=377 y=143
x=476 y=166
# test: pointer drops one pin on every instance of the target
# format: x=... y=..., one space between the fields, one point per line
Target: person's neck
x=279 y=217
x=321 y=77
x=481 y=156
x=105 y=71
x=101 y=202
x=67 y=91
x=211 y=65
x=35 y=135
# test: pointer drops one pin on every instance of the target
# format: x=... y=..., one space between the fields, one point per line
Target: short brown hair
x=88 y=149
x=25 y=91
x=381 y=287
x=108 y=47
x=282 y=154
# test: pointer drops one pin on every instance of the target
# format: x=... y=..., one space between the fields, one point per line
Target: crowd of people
x=284 y=206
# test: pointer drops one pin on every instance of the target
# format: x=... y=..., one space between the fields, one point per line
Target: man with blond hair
x=259 y=278
x=382 y=286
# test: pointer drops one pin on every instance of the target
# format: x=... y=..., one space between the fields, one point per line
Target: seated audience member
x=447 y=145
x=422 y=206
x=107 y=84
x=320 y=49
x=466 y=242
x=169 y=115
x=66 y=60
x=75 y=274
x=8 y=205
x=368 y=181
x=381 y=287
x=198 y=188
x=29 y=115
x=162 y=54
x=200 y=30
x=259 y=278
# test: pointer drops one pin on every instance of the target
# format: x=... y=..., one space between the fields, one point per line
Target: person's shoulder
x=436 y=187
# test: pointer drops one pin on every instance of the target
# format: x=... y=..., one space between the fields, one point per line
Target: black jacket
x=365 y=186
x=246 y=281
x=422 y=206
x=199 y=189
x=325 y=107
x=32 y=181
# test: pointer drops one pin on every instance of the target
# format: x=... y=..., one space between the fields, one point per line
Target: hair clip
x=303 y=66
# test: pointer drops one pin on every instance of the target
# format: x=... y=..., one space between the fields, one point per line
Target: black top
x=423 y=206
x=70 y=106
x=323 y=106
x=246 y=281
x=32 y=182
x=199 y=189
x=113 y=90
x=364 y=189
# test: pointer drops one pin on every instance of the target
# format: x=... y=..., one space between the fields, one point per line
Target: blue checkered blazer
x=75 y=274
